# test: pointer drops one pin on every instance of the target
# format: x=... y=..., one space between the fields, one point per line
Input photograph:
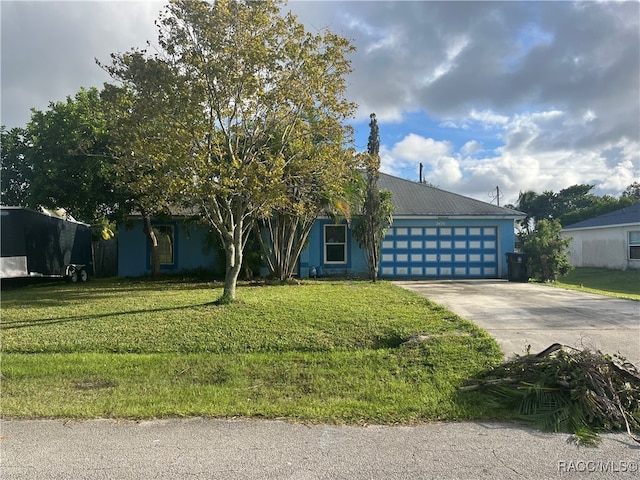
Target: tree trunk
x=233 y=246
x=153 y=244
x=234 y=263
x=287 y=237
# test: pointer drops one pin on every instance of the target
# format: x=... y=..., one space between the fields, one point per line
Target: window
x=335 y=244
x=634 y=245
x=165 y=237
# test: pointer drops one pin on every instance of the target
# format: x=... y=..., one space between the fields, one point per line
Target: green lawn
x=320 y=351
x=613 y=283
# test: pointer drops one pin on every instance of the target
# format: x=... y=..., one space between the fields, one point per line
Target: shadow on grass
x=13 y=324
x=62 y=294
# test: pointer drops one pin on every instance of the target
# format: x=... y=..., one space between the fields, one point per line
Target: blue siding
x=476 y=249
x=313 y=256
x=134 y=256
x=472 y=248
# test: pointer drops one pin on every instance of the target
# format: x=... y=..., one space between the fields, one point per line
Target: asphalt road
x=250 y=449
x=522 y=314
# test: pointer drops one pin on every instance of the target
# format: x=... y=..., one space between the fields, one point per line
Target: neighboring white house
x=608 y=241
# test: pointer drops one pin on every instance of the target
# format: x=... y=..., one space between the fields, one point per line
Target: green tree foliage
x=244 y=76
x=600 y=206
x=61 y=159
x=315 y=180
x=370 y=226
x=632 y=191
x=15 y=172
x=547 y=251
x=145 y=156
x=570 y=205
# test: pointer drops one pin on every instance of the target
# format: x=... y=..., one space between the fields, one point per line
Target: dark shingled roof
x=413 y=198
x=624 y=216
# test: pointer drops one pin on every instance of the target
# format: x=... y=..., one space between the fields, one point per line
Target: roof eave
x=453 y=216
x=596 y=227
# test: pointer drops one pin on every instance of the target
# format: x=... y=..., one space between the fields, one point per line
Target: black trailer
x=35 y=244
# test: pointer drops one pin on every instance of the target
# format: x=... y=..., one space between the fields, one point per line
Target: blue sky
x=520 y=95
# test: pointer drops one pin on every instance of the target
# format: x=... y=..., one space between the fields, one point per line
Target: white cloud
x=449 y=123
x=453 y=49
x=471 y=147
x=384 y=114
x=524 y=95
x=404 y=159
x=415 y=148
x=589 y=116
x=488 y=117
x=485 y=119
x=445 y=173
x=49 y=48
x=515 y=168
x=524 y=129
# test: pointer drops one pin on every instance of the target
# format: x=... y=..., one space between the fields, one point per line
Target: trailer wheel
x=72 y=275
x=83 y=275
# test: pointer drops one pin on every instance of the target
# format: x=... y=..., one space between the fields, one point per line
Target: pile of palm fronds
x=562 y=389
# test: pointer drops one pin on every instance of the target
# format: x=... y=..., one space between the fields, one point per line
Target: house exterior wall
x=189 y=253
x=312 y=258
x=134 y=254
x=601 y=247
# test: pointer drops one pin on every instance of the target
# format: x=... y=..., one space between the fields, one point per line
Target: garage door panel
x=456 y=252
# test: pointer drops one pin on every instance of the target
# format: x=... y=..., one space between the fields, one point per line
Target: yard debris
x=412 y=340
x=563 y=389
x=421 y=338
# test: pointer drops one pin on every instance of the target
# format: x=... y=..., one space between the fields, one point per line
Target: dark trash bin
x=517 y=267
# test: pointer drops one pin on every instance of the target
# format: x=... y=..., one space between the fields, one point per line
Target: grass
x=613 y=283
x=318 y=352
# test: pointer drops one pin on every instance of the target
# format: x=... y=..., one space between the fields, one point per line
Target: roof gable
x=624 y=216
x=418 y=199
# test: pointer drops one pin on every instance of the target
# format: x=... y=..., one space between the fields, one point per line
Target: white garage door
x=463 y=252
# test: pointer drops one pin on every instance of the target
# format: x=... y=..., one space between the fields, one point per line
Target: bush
x=547 y=251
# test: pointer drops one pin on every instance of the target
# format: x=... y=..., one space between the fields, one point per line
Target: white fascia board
x=600 y=227
x=457 y=217
x=447 y=217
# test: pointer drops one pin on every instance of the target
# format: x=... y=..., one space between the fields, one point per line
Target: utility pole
x=495 y=195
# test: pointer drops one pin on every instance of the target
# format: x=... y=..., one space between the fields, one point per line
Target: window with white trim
x=634 y=245
x=335 y=244
x=166 y=243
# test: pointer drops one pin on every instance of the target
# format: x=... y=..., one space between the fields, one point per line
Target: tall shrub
x=547 y=251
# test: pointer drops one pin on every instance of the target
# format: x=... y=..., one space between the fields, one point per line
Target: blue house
x=435 y=234
x=183 y=246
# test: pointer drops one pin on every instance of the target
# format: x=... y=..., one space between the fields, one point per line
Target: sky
x=488 y=96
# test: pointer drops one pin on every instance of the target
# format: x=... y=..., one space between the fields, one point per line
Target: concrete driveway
x=521 y=314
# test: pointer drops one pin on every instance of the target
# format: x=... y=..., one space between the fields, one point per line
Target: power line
x=495 y=195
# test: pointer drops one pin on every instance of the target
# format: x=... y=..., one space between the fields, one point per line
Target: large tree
x=61 y=159
x=570 y=205
x=632 y=191
x=245 y=76
x=316 y=180
x=15 y=172
x=145 y=155
x=370 y=226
